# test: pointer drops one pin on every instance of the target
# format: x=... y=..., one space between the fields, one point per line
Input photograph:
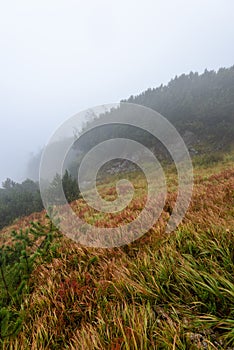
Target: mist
x=59 y=58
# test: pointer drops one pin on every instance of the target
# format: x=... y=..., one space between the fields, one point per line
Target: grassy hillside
x=161 y=292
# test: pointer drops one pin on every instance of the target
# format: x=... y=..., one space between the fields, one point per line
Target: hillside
x=161 y=292
x=201 y=107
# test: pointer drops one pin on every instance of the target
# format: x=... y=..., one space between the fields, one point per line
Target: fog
x=61 y=57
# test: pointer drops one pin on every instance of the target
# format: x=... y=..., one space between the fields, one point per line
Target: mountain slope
x=161 y=292
x=201 y=107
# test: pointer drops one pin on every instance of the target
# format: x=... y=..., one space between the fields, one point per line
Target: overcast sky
x=59 y=57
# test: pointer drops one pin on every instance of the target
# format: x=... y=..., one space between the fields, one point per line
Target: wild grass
x=161 y=292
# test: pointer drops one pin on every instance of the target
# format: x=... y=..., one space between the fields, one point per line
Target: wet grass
x=161 y=292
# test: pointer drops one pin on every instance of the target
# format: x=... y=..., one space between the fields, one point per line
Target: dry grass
x=160 y=292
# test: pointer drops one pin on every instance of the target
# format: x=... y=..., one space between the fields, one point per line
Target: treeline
x=202 y=104
x=17 y=200
x=201 y=107
x=69 y=185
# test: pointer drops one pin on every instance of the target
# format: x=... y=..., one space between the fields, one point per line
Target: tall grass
x=161 y=292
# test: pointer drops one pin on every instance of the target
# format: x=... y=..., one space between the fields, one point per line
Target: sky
x=59 y=57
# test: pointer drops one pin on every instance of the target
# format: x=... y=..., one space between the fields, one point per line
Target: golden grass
x=161 y=292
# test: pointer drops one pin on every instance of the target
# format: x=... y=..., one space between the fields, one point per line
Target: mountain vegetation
x=17 y=200
x=163 y=291
x=160 y=292
x=202 y=105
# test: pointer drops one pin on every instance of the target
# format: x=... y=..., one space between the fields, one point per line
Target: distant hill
x=201 y=107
